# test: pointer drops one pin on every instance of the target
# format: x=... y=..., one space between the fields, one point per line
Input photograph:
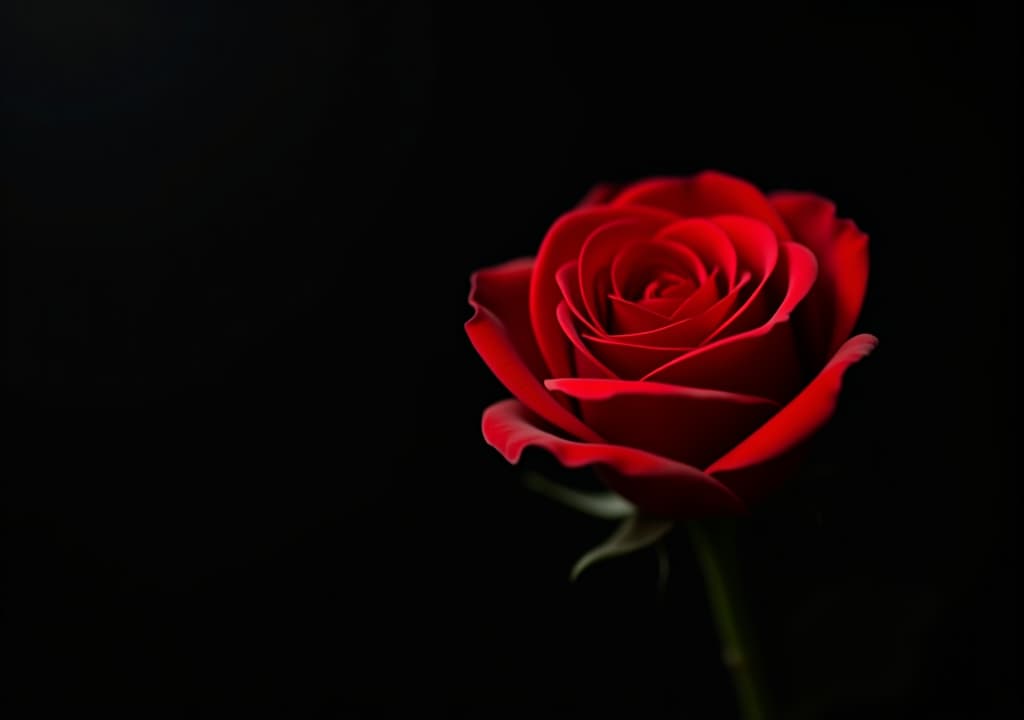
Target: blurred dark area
x=244 y=464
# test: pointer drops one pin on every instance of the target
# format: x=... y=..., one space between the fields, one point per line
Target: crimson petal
x=758 y=251
x=501 y=333
x=842 y=251
x=584 y=362
x=655 y=484
x=762 y=361
x=562 y=244
x=704 y=297
x=702 y=195
x=626 y=316
x=597 y=257
x=641 y=261
x=567 y=278
x=685 y=333
x=692 y=425
x=743 y=466
x=708 y=240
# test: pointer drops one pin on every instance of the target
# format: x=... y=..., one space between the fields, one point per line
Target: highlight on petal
x=692 y=425
x=702 y=195
x=842 y=251
x=655 y=484
x=798 y=420
x=562 y=244
x=501 y=333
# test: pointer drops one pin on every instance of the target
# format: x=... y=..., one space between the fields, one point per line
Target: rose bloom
x=685 y=336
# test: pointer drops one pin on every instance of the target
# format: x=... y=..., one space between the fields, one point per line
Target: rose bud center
x=668 y=284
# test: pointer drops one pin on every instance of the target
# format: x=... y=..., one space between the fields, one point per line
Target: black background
x=246 y=465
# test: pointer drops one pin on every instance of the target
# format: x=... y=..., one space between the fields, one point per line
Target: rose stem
x=715 y=544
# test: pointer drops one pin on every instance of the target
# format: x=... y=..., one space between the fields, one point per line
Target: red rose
x=685 y=335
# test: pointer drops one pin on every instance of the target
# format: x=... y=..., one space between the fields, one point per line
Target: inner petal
x=627 y=316
x=667 y=284
x=650 y=270
x=688 y=332
x=702 y=298
x=598 y=254
x=708 y=241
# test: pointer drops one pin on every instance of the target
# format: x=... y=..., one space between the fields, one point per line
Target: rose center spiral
x=667 y=284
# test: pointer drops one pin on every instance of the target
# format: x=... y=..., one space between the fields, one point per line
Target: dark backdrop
x=246 y=466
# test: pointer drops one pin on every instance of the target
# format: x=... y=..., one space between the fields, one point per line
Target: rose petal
x=567 y=278
x=562 y=244
x=704 y=297
x=762 y=361
x=793 y=424
x=681 y=334
x=631 y=361
x=709 y=241
x=501 y=333
x=637 y=264
x=692 y=425
x=758 y=251
x=584 y=363
x=842 y=251
x=657 y=485
x=626 y=316
x=798 y=275
x=597 y=256
x=703 y=195
x=501 y=291
x=629 y=316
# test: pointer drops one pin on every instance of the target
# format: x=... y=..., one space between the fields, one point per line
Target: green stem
x=715 y=545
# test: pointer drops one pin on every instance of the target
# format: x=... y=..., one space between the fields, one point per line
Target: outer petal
x=655 y=484
x=792 y=425
x=562 y=244
x=692 y=425
x=707 y=193
x=842 y=251
x=500 y=331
